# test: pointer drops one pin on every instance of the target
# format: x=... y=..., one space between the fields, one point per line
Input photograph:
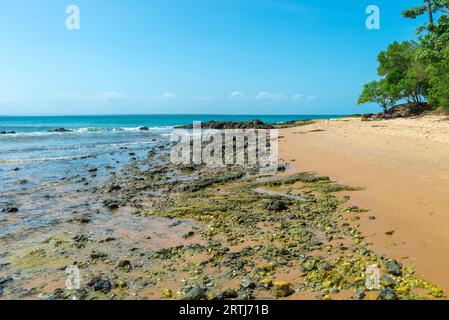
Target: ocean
x=37 y=165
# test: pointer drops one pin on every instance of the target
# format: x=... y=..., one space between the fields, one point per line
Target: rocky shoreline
x=154 y=230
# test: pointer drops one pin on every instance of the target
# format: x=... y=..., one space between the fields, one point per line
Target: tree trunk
x=430 y=11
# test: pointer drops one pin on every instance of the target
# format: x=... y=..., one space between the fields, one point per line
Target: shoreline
x=402 y=166
x=149 y=229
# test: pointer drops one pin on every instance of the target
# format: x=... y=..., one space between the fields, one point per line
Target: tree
x=405 y=76
x=431 y=7
x=439 y=82
x=377 y=92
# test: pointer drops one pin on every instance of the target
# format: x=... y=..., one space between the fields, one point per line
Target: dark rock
x=253 y=124
x=93 y=170
x=100 y=283
x=98 y=255
x=275 y=205
x=387 y=281
x=393 y=267
x=115 y=188
x=196 y=293
x=227 y=294
x=16 y=169
x=232 y=255
x=60 y=130
x=10 y=210
x=388 y=294
x=144 y=128
x=5 y=279
x=7 y=132
x=125 y=264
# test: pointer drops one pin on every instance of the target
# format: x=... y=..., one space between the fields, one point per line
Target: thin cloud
x=236 y=95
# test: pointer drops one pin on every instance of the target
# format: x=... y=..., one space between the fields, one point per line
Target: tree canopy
x=415 y=71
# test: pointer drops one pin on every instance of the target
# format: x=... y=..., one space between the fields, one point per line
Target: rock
x=266 y=283
x=93 y=170
x=125 y=264
x=387 y=281
x=360 y=294
x=175 y=224
x=196 y=293
x=5 y=279
x=372 y=218
x=167 y=293
x=10 y=210
x=327 y=266
x=232 y=255
x=389 y=233
x=282 y=289
x=388 y=294
x=114 y=188
x=144 y=128
x=393 y=267
x=7 y=132
x=100 y=283
x=227 y=294
x=253 y=124
x=16 y=169
x=308 y=265
x=188 y=235
x=275 y=205
x=247 y=283
x=60 y=130
x=98 y=255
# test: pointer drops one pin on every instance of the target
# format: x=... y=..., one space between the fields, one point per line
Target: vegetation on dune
x=415 y=71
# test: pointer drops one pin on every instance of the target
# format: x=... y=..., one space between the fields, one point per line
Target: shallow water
x=46 y=174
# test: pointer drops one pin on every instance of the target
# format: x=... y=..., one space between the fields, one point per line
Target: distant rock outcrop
x=60 y=130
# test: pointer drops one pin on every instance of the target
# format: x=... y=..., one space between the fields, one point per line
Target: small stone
x=100 y=283
x=387 y=281
x=388 y=294
x=232 y=255
x=175 y=224
x=266 y=283
x=227 y=294
x=389 y=233
x=247 y=283
x=393 y=267
x=98 y=255
x=282 y=289
x=125 y=264
x=308 y=265
x=372 y=218
x=167 y=293
x=196 y=293
x=360 y=294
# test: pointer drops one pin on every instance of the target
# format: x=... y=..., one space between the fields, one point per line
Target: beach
x=402 y=166
x=101 y=212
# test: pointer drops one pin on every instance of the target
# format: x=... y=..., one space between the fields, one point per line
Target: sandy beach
x=402 y=166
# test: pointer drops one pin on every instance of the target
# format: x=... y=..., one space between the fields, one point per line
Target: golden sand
x=403 y=166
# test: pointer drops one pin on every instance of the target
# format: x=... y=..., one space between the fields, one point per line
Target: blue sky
x=192 y=56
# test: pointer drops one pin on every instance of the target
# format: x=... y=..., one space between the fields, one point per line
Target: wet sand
x=403 y=166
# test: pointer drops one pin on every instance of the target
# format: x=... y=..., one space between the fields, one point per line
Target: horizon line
x=168 y=114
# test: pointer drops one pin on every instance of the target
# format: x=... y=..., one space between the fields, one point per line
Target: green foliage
x=376 y=92
x=415 y=71
x=439 y=81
